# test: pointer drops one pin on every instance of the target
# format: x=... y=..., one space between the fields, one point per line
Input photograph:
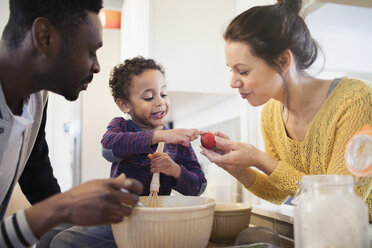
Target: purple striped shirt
x=127 y=146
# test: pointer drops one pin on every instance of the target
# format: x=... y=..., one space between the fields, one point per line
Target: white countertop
x=279 y=212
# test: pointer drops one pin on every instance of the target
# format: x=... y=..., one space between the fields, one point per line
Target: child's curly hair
x=122 y=74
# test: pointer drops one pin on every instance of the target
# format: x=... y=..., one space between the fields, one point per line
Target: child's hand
x=176 y=136
x=162 y=163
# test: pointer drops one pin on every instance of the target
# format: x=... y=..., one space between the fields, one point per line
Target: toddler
x=139 y=90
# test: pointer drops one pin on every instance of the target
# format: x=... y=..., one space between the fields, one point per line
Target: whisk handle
x=155 y=183
x=160 y=147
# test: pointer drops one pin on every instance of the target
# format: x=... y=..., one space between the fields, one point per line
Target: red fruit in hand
x=207 y=140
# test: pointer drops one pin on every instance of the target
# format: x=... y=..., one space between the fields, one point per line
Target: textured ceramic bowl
x=229 y=220
x=181 y=221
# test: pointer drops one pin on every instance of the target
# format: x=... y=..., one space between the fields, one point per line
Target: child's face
x=148 y=100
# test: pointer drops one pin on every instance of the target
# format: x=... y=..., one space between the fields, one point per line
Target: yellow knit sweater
x=345 y=111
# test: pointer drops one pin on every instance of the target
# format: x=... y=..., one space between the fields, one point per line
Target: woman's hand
x=221 y=135
x=235 y=157
x=162 y=162
x=232 y=156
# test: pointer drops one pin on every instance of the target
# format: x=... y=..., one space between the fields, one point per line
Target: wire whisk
x=152 y=200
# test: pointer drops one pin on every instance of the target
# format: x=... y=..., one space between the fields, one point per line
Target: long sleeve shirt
x=347 y=108
x=16 y=232
x=34 y=172
x=127 y=146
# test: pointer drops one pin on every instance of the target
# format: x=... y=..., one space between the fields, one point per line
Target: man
x=49 y=45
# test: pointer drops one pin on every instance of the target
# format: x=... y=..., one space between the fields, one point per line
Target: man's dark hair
x=122 y=74
x=66 y=15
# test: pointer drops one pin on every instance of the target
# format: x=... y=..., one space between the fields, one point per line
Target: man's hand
x=95 y=202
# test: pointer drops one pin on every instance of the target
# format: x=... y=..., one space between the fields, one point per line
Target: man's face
x=76 y=61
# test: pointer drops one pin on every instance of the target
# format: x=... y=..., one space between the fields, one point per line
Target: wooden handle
x=155 y=182
x=160 y=147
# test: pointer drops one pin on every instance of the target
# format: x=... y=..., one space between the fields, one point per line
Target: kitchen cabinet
x=343 y=33
x=185 y=37
x=313 y=5
x=187 y=40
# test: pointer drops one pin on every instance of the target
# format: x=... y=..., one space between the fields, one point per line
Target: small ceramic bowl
x=229 y=220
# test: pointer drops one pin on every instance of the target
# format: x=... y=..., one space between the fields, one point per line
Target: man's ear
x=123 y=105
x=46 y=39
x=285 y=60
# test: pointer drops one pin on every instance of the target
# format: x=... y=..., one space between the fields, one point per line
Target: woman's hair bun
x=293 y=6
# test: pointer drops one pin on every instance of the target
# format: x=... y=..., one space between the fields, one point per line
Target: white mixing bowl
x=181 y=221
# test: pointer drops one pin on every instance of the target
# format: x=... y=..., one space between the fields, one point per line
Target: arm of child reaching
x=175 y=136
x=119 y=140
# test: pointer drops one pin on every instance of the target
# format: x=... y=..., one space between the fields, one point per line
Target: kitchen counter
x=278 y=218
x=215 y=244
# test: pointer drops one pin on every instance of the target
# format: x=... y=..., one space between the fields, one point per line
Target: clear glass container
x=358 y=155
x=327 y=213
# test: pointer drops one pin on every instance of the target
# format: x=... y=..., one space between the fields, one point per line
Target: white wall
x=184 y=36
x=135 y=22
x=4 y=14
x=344 y=34
x=225 y=110
x=98 y=109
x=62 y=150
x=188 y=41
x=242 y=5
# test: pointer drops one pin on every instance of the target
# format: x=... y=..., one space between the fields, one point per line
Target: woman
x=306 y=121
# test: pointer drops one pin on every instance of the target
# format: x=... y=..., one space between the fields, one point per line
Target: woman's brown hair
x=271 y=29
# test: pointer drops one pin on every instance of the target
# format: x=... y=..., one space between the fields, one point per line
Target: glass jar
x=358 y=155
x=327 y=213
